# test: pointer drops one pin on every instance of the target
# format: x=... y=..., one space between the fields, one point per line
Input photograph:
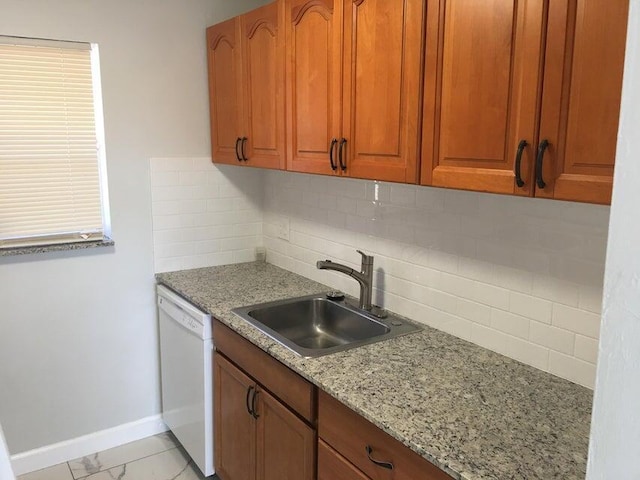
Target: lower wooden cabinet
x=333 y=466
x=265 y=417
x=256 y=436
x=364 y=448
x=235 y=427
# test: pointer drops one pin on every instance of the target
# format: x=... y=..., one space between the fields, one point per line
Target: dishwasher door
x=186 y=355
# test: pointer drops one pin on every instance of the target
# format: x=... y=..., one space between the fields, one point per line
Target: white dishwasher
x=186 y=355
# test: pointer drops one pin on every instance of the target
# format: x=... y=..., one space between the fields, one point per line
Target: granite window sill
x=35 y=249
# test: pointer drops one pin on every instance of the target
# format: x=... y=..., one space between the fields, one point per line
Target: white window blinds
x=50 y=189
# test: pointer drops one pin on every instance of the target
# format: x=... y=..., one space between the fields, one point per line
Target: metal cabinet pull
x=246 y=401
x=253 y=404
x=332 y=147
x=387 y=465
x=521 y=146
x=244 y=141
x=541 y=149
x=238 y=140
x=343 y=165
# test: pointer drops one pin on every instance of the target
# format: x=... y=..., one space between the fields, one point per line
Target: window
x=52 y=161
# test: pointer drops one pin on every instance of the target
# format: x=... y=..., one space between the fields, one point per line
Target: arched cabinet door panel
x=382 y=63
x=225 y=90
x=314 y=76
x=263 y=40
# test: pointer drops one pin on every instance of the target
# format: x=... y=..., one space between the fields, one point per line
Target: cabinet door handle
x=343 y=165
x=541 y=149
x=387 y=465
x=238 y=140
x=249 y=390
x=521 y=146
x=332 y=148
x=244 y=142
x=253 y=404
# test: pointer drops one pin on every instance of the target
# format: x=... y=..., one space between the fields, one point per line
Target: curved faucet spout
x=364 y=278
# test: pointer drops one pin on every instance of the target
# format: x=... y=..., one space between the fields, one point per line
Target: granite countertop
x=473 y=413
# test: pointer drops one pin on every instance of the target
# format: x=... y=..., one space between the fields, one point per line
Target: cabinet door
x=314 y=75
x=235 y=432
x=225 y=91
x=333 y=466
x=382 y=73
x=482 y=85
x=263 y=54
x=286 y=445
x=581 y=98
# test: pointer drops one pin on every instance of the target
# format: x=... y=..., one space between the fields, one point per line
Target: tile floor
x=155 y=458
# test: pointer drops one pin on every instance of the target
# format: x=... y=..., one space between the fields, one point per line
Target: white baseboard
x=50 y=455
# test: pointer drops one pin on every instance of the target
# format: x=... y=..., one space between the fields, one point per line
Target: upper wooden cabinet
x=246 y=88
x=225 y=90
x=511 y=84
x=354 y=72
x=581 y=98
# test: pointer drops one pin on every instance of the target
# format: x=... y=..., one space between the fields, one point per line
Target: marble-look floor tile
x=98 y=462
x=57 y=472
x=173 y=464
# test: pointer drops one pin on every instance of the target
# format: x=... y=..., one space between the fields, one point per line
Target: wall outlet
x=282 y=228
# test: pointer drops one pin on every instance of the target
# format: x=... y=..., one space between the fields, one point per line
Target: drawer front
x=282 y=382
x=333 y=466
x=352 y=436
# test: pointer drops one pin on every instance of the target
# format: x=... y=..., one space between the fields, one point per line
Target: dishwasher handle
x=181 y=317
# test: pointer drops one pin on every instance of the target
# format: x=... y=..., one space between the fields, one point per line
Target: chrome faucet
x=364 y=277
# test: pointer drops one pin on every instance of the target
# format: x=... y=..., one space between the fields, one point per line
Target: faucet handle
x=366 y=259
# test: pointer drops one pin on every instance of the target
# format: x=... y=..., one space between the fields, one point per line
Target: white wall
x=615 y=430
x=204 y=214
x=78 y=340
x=519 y=276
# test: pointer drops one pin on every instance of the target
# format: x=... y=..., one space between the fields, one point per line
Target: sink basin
x=314 y=325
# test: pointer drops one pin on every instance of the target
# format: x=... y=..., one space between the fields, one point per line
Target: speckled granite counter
x=475 y=414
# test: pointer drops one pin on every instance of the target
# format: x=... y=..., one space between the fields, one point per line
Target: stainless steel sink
x=313 y=326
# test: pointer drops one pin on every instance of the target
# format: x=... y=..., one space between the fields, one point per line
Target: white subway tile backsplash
x=586 y=349
x=204 y=215
x=506 y=322
x=572 y=368
x=517 y=275
x=520 y=276
x=491 y=295
x=578 y=321
x=531 y=307
x=552 y=337
x=473 y=311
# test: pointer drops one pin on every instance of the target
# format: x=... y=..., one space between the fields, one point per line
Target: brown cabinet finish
x=235 y=439
x=333 y=466
x=547 y=72
x=350 y=435
x=581 y=98
x=225 y=90
x=481 y=93
x=246 y=88
x=285 y=384
x=286 y=445
x=256 y=436
x=314 y=75
x=354 y=70
x=263 y=54
x=382 y=64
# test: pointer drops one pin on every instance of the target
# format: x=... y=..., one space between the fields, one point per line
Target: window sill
x=10 y=251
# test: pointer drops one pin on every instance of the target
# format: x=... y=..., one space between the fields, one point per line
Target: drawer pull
x=246 y=401
x=521 y=146
x=253 y=404
x=387 y=465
